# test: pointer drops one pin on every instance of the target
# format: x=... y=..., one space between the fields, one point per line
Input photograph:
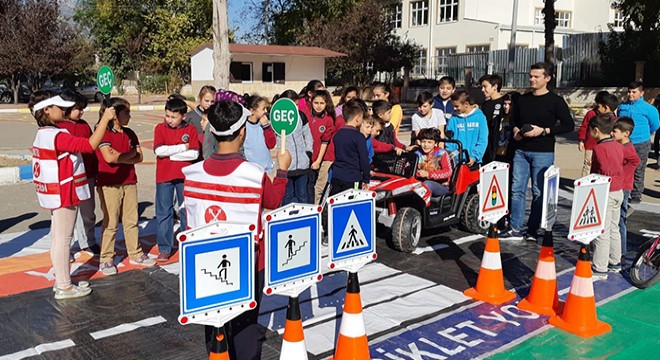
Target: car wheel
x=6 y=98
x=406 y=229
x=470 y=216
x=98 y=97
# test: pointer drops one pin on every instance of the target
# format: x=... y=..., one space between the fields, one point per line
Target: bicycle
x=645 y=270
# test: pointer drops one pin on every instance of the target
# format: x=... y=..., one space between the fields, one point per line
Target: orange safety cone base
x=582 y=331
x=352 y=348
x=221 y=356
x=555 y=309
x=497 y=299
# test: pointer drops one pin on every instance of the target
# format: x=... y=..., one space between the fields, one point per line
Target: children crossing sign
x=217 y=273
x=293 y=256
x=589 y=206
x=352 y=229
x=493 y=191
x=550 y=197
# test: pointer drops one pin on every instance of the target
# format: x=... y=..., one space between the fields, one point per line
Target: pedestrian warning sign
x=217 y=272
x=352 y=229
x=353 y=237
x=589 y=206
x=293 y=256
x=493 y=191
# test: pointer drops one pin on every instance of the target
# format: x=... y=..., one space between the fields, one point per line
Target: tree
x=221 y=55
x=550 y=24
x=639 y=41
x=38 y=44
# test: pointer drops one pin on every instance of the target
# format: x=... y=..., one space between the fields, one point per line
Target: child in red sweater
x=176 y=146
x=586 y=142
x=607 y=160
x=623 y=127
x=434 y=167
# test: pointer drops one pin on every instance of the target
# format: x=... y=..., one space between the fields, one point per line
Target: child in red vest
x=60 y=179
x=176 y=146
x=209 y=186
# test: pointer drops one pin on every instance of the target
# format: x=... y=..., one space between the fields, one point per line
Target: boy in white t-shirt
x=426 y=116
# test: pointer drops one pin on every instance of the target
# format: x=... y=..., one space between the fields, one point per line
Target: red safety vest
x=46 y=164
x=235 y=197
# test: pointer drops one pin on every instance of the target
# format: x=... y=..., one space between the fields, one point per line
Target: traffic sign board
x=493 y=191
x=352 y=229
x=550 y=197
x=589 y=206
x=284 y=116
x=293 y=255
x=105 y=79
x=217 y=272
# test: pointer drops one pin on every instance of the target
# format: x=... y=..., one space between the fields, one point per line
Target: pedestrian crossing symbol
x=293 y=255
x=351 y=228
x=589 y=216
x=353 y=237
x=589 y=206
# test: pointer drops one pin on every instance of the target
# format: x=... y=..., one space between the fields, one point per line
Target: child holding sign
x=60 y=180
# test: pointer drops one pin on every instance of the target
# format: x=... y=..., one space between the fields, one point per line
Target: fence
x=578 y=62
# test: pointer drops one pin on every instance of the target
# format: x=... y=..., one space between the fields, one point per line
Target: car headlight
x=380 y=195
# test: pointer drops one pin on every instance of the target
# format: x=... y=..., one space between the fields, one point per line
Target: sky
x=238 y=19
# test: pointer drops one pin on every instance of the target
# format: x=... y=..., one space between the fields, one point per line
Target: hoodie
x=472 y=131
x=645 y=117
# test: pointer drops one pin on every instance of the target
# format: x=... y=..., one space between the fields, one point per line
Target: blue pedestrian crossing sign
x=293 y=255
x=352 y=229
x=217 y=272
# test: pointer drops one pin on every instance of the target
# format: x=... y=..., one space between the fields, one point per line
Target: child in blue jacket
x=469 y=126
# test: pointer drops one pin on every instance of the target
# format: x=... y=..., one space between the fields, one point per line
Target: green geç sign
x=284 y=116
x=105 y=79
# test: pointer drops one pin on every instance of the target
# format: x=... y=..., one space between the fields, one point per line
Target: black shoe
x=324 y=240
x=531 y=236
x=635 y=200
x=93 y=250
x=511 y=235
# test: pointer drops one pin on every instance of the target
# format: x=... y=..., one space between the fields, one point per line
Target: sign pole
x=283 y=148
x=284 y=117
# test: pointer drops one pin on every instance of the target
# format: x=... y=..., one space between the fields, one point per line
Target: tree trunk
x=138 y=85
x=550 y=25
x=221 y=55
x=15 y=87
x=406 y=84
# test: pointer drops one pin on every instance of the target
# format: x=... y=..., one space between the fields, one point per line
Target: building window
x=395 y=15
x=447 y=10
x=272 y=73
x=240 y=72
x=419 y=12
x=442 y=59
x=618 y=18
x=477 y=48
x=563 y=18
x=420 y=65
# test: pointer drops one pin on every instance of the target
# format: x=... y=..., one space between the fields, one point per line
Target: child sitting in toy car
x=434 y=167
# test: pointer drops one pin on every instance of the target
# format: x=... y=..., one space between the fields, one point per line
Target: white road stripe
x=124 y=328
x=381 y=317
x=458 y=241
x=38 y=350
x=469 y=238
x=329 y=307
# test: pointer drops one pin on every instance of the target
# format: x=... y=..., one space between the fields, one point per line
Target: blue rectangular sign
x=217 y=272
x=297 y=256
x=352 y=229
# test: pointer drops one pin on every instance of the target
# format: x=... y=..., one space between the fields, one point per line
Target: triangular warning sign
x=589 y=216
x=353 y=237
x=493 y=198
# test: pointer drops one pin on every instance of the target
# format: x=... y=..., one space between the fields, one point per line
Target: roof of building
x=277 y=50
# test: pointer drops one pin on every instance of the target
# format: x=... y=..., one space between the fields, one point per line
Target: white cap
x=55 y=100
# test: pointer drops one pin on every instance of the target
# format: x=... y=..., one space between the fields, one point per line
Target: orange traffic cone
x=219 y=345
x=542 y=297
x=352 y=343
x=293 y=342
x=490 y=283
x=579 y=316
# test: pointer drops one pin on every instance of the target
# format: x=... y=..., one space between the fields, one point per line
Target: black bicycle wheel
x=645 y=270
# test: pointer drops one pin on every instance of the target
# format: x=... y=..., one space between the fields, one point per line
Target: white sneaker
x=82 y=284
x=108 y=268
x=143 y=260
x=74 y=292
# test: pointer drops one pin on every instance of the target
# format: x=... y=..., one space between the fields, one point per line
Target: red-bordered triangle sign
x=494 y=200
x=589 y=216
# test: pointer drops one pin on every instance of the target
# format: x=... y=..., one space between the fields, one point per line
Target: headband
x=55 y=100
x=234 y=127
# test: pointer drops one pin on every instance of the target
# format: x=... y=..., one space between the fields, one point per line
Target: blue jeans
x=436 y=188
x=623 y=228
x=296 y=190
x=164 y=213
x=526 y=165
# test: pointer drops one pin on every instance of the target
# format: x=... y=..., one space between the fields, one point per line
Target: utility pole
x=221 y=55
x=512 y=46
